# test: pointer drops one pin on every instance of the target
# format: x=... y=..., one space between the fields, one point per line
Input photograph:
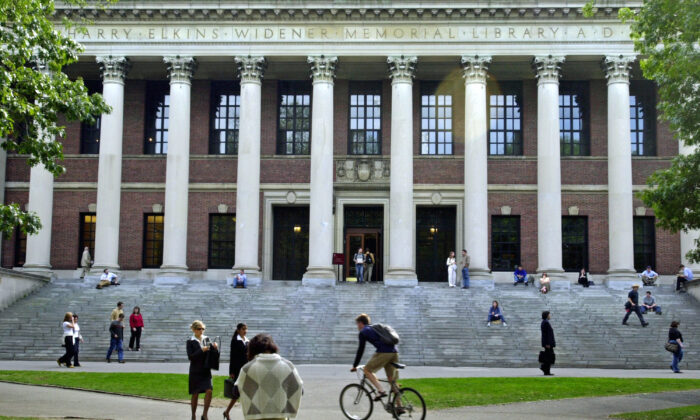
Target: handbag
x=229 y=385
x=213 y=356
x=671 y=347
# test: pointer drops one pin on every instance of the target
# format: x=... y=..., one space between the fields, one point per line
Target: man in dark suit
x=548 y=343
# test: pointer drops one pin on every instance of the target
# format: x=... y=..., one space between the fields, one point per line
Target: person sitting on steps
x=649 y=304
x=495 y=314
x=649 y=276
x=520 y=276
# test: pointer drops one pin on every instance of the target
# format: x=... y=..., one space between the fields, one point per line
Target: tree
x=34 y=93
x=666 y=35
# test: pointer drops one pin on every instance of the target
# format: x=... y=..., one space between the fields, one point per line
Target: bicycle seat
x=398 y=365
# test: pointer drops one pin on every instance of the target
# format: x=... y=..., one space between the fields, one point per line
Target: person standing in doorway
x=464 y=268
x=85 y=263
x=548 y=343
x=632 y=305
x=369 y=264
x=136 y=325
x=359 y=259
x=116 y=339
x=77 y=339
x=451 y=269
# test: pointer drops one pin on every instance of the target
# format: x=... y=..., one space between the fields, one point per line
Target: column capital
x=322 y=67
x=251 y=68
x=617 y=67
x=402 y=68
x=180 y=68
x=475 y=68
x=113 y=68
x=548 y=67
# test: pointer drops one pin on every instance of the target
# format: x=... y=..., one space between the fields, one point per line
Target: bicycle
x=357 y=400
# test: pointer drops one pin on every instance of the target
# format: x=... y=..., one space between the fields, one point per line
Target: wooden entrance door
x=363 y=238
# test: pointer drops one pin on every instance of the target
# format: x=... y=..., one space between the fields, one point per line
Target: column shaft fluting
x=688 y=238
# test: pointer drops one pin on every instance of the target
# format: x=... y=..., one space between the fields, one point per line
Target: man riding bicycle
x=384 y=357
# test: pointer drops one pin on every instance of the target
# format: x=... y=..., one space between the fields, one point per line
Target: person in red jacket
x=136 y=324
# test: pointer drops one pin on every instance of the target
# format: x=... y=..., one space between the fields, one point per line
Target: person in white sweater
x=452 y=269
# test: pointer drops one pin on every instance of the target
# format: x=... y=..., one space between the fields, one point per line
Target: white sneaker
x=505 y=325
x=488 y=324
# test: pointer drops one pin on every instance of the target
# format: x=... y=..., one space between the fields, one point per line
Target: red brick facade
x=71 y=200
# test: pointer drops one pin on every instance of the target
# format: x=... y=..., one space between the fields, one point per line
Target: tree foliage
x=34 y=92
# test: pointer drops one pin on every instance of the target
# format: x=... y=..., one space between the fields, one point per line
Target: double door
x=363 y=238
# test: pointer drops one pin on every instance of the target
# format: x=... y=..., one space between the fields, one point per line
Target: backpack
x=386 y=333
x=369 y=259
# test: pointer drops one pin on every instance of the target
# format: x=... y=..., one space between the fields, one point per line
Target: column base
x=172 y=276
x=479 y=278
x=39 y=270
x=622 y=279
x=253 y=275
x=319 y=277
x=400 y=277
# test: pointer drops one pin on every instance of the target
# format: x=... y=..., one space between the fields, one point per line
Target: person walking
x=675 y=337
x=685 y=275
x=136 y=325
x=464 y=262
x=270 y=385
x=77 y=339
x=67 y=326
x=548 y=342
x=495 y=314
x=116 y=339
x=369 y=264
x=239 y=357
x=117 y=311
x=199 y=375
x=85 y=263
x=359 y=259
x=632 y=305
x=451 y=269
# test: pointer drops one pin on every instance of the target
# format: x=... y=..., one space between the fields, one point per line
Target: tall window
x=436 y=120
x=644 y=242
x=574 y=119
x=87 y=234
x=20 y=248
x=505 y=242
x=505 y=129
x=574 y=242
x=153 y=241
x=643 y=118
x=365 y=119
x=294 y=128
x=222 y=240
x=90 y=133
x=157 y=117
x=225 y=118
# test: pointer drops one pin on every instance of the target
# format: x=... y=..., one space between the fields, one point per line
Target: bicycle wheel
x=408 y=404
x=356 y=402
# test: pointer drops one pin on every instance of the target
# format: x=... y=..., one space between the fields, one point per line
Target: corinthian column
x=38 y=259
x=180 y=72
x=250 y=71
x=109 y=173
x=320 y=270
x=476 y=214
x=402 y=215
x=620 y=214
x=547 y=69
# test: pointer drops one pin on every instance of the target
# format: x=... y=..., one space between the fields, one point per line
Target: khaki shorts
x=384 y=360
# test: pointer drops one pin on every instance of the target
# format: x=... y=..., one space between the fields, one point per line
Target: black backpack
x=387 y=334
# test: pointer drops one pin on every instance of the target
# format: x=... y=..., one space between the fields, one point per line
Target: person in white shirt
x=685 y=275
x=85 y=263
x=77 y=339
x=452 y=269
x=649 y=276
x=359 y=260
x=67 y=340
x=111 y=277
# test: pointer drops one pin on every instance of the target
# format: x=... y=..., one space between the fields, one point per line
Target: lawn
x=438 y=392
x=691 y=412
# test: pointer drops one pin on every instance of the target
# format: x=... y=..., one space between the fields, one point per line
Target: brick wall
x=65 y=235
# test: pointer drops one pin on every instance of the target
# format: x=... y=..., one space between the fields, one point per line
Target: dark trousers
x=680 y=281
x=76 y=351
x=135 y=336
x=66 y=358
x=637 y=311
x=549 y=356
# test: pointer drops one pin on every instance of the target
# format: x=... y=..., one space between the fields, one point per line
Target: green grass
x=458 y=392
x=691 y=412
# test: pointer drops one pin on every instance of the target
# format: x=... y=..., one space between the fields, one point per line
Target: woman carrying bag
x=198 y=348
x=67 y=325
x=675 y=346
x=239 y=357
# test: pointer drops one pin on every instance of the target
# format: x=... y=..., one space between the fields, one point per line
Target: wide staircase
x=438 y=325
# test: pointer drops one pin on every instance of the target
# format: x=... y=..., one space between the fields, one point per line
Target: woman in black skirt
x=239 y=357
x=200 y=377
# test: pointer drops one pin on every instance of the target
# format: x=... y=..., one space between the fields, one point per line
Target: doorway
x=363 y=229
x=290 y=250
x=435 y=238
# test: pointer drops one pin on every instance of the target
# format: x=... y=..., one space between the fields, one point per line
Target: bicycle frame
x=391 y=395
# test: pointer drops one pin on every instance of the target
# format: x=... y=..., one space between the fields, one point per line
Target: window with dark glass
x=88 y=222
x=644 y=242
x=153 y=241
x=643 y=118
x=505 y=242
x=157 y=118
x=505 y=123
x=20 y=247
x=222 y=240
x=574 y=233
x=90 y=133
x=294 y=126
x=435 y=238
x=574 y=119
x=365 y=119
x=225 y=118
x=436 y=120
